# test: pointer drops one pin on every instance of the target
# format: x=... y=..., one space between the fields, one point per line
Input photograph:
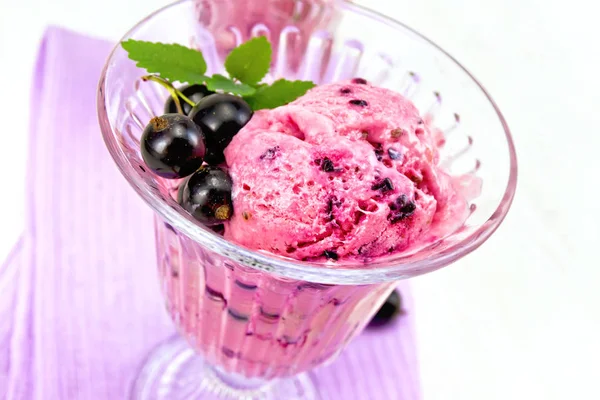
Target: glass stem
x=220 y=382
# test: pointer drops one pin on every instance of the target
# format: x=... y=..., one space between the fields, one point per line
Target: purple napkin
x=79 y=294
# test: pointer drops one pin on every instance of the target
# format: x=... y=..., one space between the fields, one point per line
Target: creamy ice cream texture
x=347 y=170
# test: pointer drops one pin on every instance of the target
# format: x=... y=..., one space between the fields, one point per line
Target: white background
x=519 y=318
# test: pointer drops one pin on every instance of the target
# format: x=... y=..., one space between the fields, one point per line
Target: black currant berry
x=194 y=92
x=220 y=116
x=172 y=146
x=206 y=195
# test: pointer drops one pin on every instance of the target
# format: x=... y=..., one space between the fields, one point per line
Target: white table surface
x=519 y=318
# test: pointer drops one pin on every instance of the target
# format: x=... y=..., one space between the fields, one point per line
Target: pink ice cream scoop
x=347 y=170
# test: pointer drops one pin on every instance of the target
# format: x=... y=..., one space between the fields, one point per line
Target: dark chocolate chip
x=333 y=201
x=360 y=103
x=379 y=154
x=331 y=255
x=346 y=91
x=359 y=81
x=394 y=154
x=401 y=209
x=384 y=186
x=270 y=153
x=327 y=165
x=329 y=209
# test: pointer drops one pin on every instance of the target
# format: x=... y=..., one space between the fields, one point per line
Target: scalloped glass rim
x=345 y=272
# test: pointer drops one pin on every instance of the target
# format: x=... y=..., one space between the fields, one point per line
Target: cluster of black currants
x=191 y=144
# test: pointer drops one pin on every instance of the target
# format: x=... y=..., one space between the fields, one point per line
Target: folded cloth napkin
x=79 y=294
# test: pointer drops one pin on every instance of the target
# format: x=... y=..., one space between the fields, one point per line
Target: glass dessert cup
x=253 y=324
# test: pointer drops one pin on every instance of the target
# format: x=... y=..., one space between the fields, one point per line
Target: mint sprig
x=220 y=82
x=250 y=61
x=247 y=65
x=280 y=92
x=171 y=61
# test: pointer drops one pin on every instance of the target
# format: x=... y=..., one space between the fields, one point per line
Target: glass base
x=175 y=371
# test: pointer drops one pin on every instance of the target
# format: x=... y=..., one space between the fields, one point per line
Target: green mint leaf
x=281 y=92
x=171 y=61
x=220 y=82
x=250 y=61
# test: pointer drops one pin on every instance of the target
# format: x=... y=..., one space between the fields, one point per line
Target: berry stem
x=175 y=93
